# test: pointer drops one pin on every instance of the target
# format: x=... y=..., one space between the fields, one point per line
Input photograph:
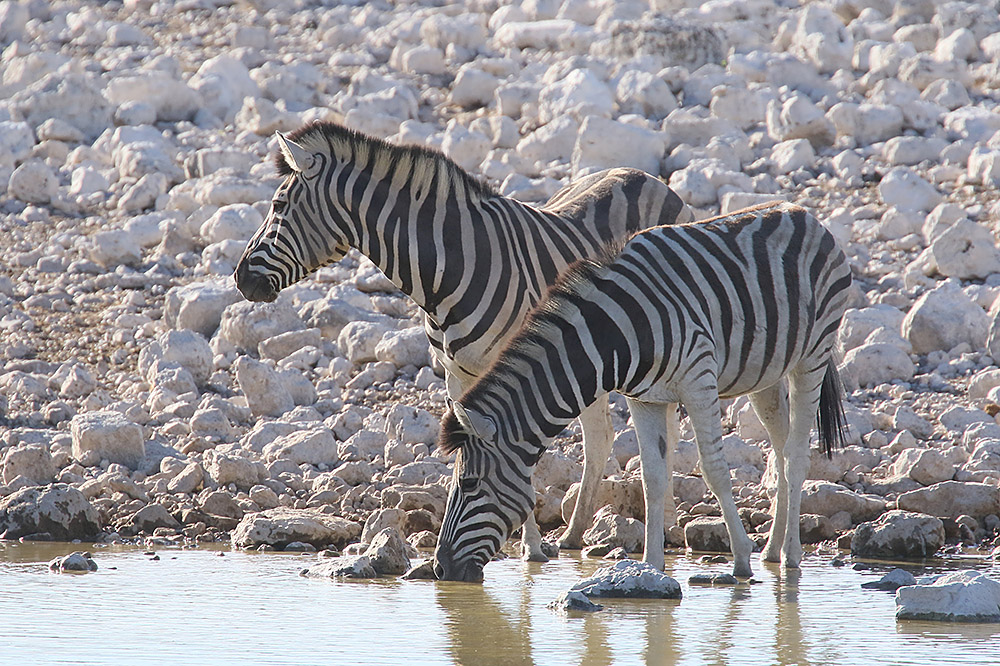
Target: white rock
x=580 y=94
x=966 y=251
x=645 y=94
x=468 y=149
x=265 y=390
x=198 y=306
x=424 y=59
x=74 y=98
x=951 y=499
x=280 y=526
x=874 y=364
x=941 y=218
x=972 y=122
x=943 y=319
x=821 y=37
x=412 y=425
x=189 y=350
x=962 y=596
x=905 y=189
x=925 y=466
x=984 y=166
x=898 y=534
x=109 y=436
x=473 y=88
x=798 y=118
x=910 y=150
x=614 y=530
x=233 y=469
x=222 y=82
x=232 y=222
x=359 y=339
x=406 y=347
x=33 y=182
x=28 y=461
x=827 y=499
x=866 y=123
x=143 y=193
x=316 y=446
x=553 y=141
x=544 y=34
x=246 y=325
x=16 y=141
x=61 y=511
x=173 y=99
x=792 y=155
x=603 y=143
x=629 y=579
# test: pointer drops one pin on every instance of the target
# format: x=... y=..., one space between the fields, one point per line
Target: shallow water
x=224 y=607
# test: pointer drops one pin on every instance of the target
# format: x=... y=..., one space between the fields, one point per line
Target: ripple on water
x=195 y=607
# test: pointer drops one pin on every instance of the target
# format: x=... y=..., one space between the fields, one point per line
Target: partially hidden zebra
x=691 y=313
x=475 y=261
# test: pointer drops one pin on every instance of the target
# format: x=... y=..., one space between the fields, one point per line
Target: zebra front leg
x=771 y=407
x=531 y=541
x=595 y=421
x=803 y=398
x=706 y=420
x=650 y=422
x=673 y=438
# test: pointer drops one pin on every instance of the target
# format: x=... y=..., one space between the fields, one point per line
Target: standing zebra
x=686 y=314
x=475 y=261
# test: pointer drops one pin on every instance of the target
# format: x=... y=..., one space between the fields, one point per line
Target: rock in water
x=355 y=566
x=898 y=534
x=713 y=579
x=963 y=596
x=630 y=580
x=59 y=511
x=893 y=580
x=423 y=570
x=387 y=552
x=78 y=562
x=572 y=600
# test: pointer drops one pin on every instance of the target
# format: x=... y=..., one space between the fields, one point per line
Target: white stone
x=198 y=306
x=910 y=150
x=966 y=250
x=33 y=182
x=467 y=148
x=173 y=99
x=74 y=98
x=943 y=319
x=424 y=60
x=232 y=222
x=473 y=88
x=359 y=339
x=280 y=526
x=925 y=466
x=984 y=166
x=951 y=499
x=898 y=534
x=552 y=141
x=580 y=94
x=61 y=511
x=941 y=218
x=629 y=579
x=827 y=499
x=406 y=347
x=16 y=141
x=603 y=143
x=246 y=325
x=792 y=155
x=32 y=462
x=645 y=94
x=144 y=193
x=962 y=596
x=412 y=425
x=316 y=446
x=226 y=469
x=905 y=189
x=972 y=122
x=544 y=34
x=222 y=82
x=265 y=390
x=189 y=350
x=798 y=118
x=821 y=37
x=610 y=528
x=107 y=435
x=866 y=123
x=873 y=364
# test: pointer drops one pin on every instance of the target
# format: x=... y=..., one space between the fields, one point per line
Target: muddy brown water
x=210 y=607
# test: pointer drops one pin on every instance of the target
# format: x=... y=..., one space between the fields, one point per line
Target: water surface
x=210 y=607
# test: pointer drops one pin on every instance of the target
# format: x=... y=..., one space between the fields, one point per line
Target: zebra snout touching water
x=691 y=314
x=472 y=259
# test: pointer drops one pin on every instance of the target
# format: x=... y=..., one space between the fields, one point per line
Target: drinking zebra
x=689 y=314
x=473 y=260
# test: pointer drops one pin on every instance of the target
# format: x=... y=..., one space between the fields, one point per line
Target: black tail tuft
x=832 y=422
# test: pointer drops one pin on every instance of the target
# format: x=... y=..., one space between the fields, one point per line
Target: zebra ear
x=296 y=155
x=480 y=425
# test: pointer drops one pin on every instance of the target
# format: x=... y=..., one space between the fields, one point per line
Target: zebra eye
x=468 y=484
x=278 y=206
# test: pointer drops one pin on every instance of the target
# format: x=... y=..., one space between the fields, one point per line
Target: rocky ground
x=140 y=396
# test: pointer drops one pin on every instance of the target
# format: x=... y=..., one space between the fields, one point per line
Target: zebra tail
x=832 y=422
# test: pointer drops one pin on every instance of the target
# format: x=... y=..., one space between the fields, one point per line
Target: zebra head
x=491 y=494
x=299 y=234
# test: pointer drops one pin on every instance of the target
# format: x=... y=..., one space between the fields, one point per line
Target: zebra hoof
x=535 y=557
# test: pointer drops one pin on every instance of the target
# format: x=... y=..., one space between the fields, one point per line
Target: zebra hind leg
x=597 y=439
x=771 y=407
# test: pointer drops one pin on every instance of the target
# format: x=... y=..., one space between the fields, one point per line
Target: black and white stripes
x=473 y=260
x=688 y=314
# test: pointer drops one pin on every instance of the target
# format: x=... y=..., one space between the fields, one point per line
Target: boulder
x=827 y=499
x=707 y=533
x=944 y=318
x=893 y=580
x=354 y=566
x=966 y=250
x=898 y=534
x=33 y=182
x=245 y=324
x=76 y=562
x=266 y=391
x=951 y=499
x=411 y=425
x=406 y=347
x=387 y=553
x=281 y=526
x=59 y=511
x=905 y=189
x=199 y=306
x=603 y=143
x=31 y=462
x=225 y=469
x=380 y=520
x=630 y=580
x=962 y=596
x=148 y=518
x=74 y=98
x=616 y=531
x=107 y=435
x=316 y=446
x=573 y=600
x=925 y=466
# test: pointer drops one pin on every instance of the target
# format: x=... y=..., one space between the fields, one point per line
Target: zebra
x=475 y=261
x=733 y=305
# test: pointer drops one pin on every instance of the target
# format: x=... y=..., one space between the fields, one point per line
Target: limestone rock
x=630 y=580
x=265 y=390
x=898 y=534
x=614 y=530
x=59 y=511
x=387 y=553
x=707 y=533
x=574 y=600
x=962 y=596
x=828 y=499
x=925 y=466
x=951 y=499
x=31 y=462
x=199 y=306
x=316 y=446
x=356 y=566
x=281 y=526
x=944 y=318
x=107 y=435
x=76 y=562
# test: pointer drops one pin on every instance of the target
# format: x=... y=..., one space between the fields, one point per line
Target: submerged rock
x=281 y=526
x=354 y=566
x=893 y=580
x=629 y=579
x=387 y=552
x=572 y=600
x=963 y=596
x=423 y=570
x=713 y=579
x=898 y=534
x=74 y=562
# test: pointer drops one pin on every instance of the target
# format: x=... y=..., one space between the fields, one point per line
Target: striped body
x=476 y=262
x=685 y=314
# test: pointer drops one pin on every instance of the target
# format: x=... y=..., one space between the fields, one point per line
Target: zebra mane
x=324 y=136
x=452 y=435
